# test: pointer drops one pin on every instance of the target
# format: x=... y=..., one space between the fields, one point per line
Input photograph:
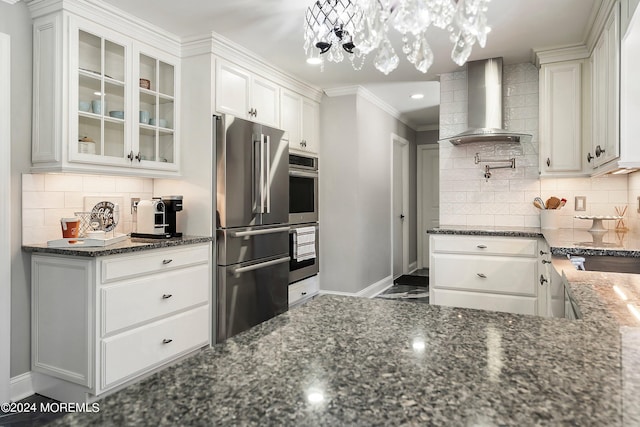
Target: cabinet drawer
x=484 y=301
x=303 y=289
x=146 y=298
x=145 y=348
x=485 y=245
x=485 y=273
x=152 y=262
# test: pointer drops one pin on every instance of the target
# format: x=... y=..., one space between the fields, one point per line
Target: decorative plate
x=109 y=214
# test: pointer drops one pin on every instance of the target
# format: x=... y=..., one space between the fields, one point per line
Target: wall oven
x=303 y=189
x=303 y=211
x=299 y=270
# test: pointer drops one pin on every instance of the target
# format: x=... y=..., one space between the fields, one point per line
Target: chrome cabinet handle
x=166 y=341
x=484 y=276
x=166 y=261
x=167 y=296
x=482 y=246
x=543 y=280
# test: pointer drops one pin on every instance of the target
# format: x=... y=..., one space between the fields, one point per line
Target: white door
x=265 y=101
x=400 y=206
x=5 y=235
x=232 y=90
x=428 y=198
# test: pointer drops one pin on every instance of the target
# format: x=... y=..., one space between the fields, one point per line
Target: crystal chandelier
x=357 y=28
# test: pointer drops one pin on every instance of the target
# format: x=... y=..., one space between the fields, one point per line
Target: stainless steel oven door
x=299 y=270
x=303 y=196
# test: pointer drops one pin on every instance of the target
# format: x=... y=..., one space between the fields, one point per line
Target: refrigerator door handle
x=262 y=177
x=258 y=232
x=256 y=191
x=267 y=144
x=240 y=270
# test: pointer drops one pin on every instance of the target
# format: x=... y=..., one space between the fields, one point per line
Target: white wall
x=355 y=191
x=16 y=21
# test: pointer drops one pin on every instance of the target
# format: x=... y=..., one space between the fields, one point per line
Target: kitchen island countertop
x=354 y=361
x=127 y=246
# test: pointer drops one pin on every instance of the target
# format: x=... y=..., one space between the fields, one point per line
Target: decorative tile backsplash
x=505 y=199
x=48 y=197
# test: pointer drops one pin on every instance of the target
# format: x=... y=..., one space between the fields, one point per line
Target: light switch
x=581 y=203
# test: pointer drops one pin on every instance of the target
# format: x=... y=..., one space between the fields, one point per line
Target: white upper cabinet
x=561 y=118
x=245 y=95
x=87 y=100
x=627 y=10
x=605 y=60
x=300 y=118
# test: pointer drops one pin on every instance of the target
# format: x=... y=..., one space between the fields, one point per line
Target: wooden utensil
x=553 y=203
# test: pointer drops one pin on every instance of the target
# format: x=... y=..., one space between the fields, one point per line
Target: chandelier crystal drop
x=356 y=28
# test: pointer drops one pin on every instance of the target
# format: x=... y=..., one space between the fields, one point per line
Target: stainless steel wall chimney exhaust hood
x=484 y=108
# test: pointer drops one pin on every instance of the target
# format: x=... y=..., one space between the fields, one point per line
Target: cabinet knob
x=166 y=261
x=303 y=143
x=548 y=162
x=303 y=293
x=130 y=156
x=166 y=341
x=544 y=253
x=482 y=246
x=543 y=280
x=599 y=151
x=544 y=261
x=139 y=157
x=589 y=157
x=481 y=275
x=167 y=296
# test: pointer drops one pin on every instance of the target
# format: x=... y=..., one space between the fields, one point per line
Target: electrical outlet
x=581 y=203
x=134 y=204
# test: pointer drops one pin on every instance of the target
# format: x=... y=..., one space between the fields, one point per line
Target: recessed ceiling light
x=417 y=96
x=314 y=61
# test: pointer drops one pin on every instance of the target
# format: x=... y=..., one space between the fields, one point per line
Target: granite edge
x=139 y=246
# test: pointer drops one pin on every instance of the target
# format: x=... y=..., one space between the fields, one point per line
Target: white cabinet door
x=310 y=126
x=605 y=92
x=561 y=118
x=265 y=101
x=291 y=118
x=232 y=90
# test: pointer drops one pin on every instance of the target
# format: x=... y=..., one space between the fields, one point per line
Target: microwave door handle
x=267 y=145
x=240 y=270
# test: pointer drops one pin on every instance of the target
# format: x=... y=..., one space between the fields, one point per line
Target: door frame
x=404 y=145
x=5 y=226
x=420 y=213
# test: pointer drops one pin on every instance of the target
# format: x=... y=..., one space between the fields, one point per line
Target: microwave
x=303 y=189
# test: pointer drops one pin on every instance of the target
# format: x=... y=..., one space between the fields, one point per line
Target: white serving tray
x=80 y=242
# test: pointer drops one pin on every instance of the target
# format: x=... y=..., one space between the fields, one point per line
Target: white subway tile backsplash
x=48 y=197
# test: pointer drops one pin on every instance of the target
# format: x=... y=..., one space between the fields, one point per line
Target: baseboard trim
x=21 y=386
x=369 y=292
x=413 y=267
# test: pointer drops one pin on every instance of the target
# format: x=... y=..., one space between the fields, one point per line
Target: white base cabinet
x=99 y=323
x=487 y=273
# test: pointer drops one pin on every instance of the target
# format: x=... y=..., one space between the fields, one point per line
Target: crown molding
x=597 y=20
x=369 y=96
x=215 y=44
x=559 y=54
x=10 y=1
x=427 y=128
x=114 y=18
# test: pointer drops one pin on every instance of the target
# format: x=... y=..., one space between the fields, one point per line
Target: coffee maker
x=172 y=205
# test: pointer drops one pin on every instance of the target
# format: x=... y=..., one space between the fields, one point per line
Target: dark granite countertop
x=127 y=246
x=487 y=231
x=354 y=361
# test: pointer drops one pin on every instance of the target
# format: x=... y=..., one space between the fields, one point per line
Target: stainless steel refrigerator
x=252 y=230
